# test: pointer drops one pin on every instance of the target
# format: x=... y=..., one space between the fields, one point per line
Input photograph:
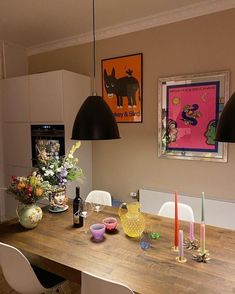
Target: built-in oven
x=48 y=135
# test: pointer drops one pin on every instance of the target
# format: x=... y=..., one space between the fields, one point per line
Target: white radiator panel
x=217 y=212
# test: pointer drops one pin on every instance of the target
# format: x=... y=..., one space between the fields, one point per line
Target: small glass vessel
x=132 y=219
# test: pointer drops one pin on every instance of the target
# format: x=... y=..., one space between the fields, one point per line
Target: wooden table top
x=58 y=247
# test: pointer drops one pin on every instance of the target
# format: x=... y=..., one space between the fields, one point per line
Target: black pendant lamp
x=226 y=126
x=95 y=120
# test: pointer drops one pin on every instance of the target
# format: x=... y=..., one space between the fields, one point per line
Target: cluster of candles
x=179 y=234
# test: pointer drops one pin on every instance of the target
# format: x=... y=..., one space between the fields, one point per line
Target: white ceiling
x=36 y=22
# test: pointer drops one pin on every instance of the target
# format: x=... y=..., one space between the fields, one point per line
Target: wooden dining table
x=55 y=245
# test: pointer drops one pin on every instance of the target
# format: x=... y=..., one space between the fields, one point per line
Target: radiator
x=219 y=213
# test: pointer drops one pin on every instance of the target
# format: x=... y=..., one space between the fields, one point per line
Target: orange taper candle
x=176 y=221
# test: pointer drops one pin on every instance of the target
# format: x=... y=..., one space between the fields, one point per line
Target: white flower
x=43 y=168
x=70 y=155
x=51 y=166
x=58 y=169
x=49 y=173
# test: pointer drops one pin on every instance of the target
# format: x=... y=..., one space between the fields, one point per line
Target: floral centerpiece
x=58 y=171
x=28 y=190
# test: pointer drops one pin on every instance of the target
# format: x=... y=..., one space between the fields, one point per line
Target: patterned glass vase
x=29 y=215
x=132 y=219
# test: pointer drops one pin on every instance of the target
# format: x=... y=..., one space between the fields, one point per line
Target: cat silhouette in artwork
x=126 y=86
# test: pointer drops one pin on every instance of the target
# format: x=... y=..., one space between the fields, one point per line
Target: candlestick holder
x=202 y=257
x=202 y=251
x=181 y=259
x=191 y=244
x=175 y=248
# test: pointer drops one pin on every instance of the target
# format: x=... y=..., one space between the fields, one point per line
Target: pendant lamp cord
x=94 y=48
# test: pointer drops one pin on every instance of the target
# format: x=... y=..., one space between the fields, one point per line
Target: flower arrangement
x=29 y=189
x=57 y=170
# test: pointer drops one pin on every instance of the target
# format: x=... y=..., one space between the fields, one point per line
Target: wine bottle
x=77 y=209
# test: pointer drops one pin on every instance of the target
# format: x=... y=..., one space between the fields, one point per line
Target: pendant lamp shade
x=95 y=121
x=226 y=126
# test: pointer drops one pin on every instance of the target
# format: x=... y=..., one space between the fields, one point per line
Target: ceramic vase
x=29 y=215
x=58 y=199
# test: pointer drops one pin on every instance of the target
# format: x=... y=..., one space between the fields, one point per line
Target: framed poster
x=189 y=110
x=122 y=87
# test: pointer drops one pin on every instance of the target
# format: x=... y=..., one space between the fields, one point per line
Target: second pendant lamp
x=95 y=120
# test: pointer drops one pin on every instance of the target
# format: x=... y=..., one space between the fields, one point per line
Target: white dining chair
x=92 y=284
x=21 y=276
x=99 y=197
x=185 y=212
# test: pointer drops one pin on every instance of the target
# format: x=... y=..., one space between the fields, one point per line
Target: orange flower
x=38 y=192
x=21 y=186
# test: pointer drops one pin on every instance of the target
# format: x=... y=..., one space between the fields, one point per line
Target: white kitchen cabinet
x=16 y=99
x=45 y=98
x=17 y=144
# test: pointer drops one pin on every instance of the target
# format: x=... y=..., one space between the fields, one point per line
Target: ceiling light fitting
x=95 y=120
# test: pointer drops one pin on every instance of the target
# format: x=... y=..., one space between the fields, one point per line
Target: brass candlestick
x=175 y=248
x=181 y=259
x=202 y=251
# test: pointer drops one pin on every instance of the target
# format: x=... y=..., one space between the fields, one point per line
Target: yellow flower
x=75 y=147
x=33 y=181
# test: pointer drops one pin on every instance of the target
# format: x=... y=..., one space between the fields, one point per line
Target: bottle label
x=76 y=218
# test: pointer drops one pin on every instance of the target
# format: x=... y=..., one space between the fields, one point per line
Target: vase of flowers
x=28 y=190
x=58 y=171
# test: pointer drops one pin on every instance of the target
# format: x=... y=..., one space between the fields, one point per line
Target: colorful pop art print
x=189 y=110
x=122 y=87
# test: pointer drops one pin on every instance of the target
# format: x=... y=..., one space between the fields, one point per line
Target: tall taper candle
x=181 y=243
x=176 y=222
x=203 y=215
x=203 y=238
x=191 y=231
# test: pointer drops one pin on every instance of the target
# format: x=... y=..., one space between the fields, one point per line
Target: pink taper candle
x=181 y=245
x=191 y=231
x=176 y=222
x=203 y=238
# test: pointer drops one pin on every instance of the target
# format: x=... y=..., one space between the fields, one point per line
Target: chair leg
x=62 y=288
x=58 y=290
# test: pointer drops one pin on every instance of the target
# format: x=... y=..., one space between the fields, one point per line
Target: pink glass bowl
x=110 y=223
x=97 y=231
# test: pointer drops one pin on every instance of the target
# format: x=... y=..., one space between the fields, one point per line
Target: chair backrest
x=18 y=271
x=92 y=284
x=185 y=212
x=99 y=197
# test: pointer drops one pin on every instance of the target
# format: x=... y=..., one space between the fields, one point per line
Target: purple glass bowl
x=97 y=231
x=110 y=223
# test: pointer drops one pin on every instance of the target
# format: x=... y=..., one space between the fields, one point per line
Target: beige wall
x=198 y=45
x=2 y=199
x=16 y=63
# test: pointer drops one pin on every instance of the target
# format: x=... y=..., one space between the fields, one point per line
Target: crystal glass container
x=132 y=219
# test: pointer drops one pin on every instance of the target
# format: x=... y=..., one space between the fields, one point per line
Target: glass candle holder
x=110 y=223
x=97 y=231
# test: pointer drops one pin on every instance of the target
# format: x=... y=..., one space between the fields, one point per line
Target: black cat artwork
x=126 y=86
